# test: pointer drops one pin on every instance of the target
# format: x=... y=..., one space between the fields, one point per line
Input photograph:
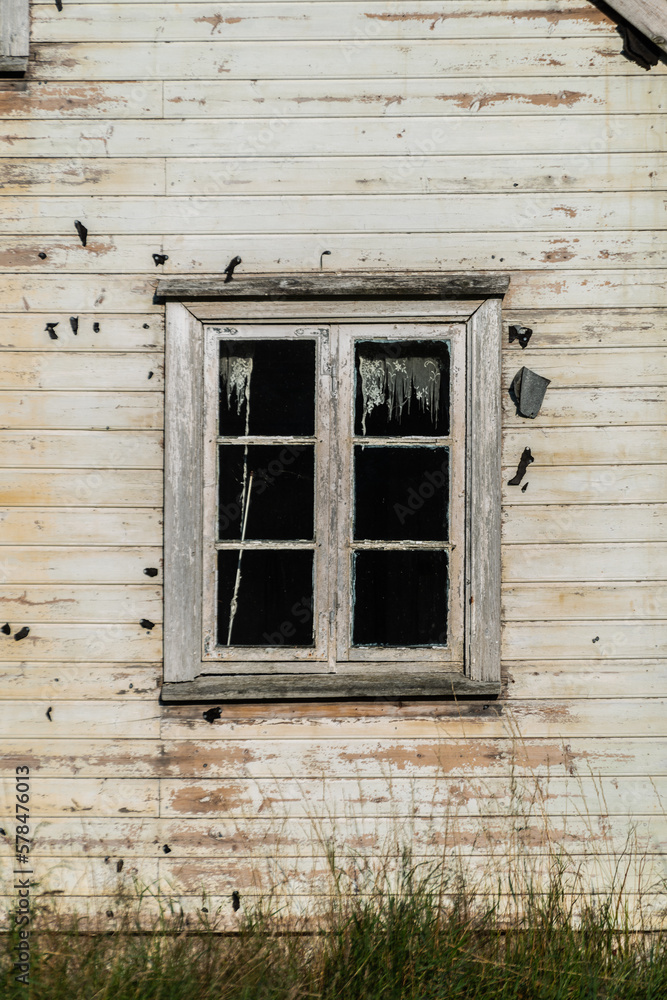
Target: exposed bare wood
x=94 y=487
x=111 y=719
x=88 y=682
x=110 y=603
x=335 y=286
x=101 y=796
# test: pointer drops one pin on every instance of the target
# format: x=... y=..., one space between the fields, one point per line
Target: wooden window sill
x=312 y=687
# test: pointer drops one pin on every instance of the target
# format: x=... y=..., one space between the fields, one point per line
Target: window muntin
x=277 y=493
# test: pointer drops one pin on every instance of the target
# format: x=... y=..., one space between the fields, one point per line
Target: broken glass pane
x=269 y=487
x=402 y=388
x=266 y=597
x=267 y=387
x=401 y=493
x=400 y=598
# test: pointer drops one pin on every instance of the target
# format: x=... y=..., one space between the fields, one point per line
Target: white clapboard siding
x=60 y=564
x=297 y=252
x=104 y=372
x=567 y=328
x=571 y=601
x=81 y=526
x=99 y=796
x=76 y=175
x=96 y=487
x=406 y=98
x=362 y=136
x=71 y=837
x=559 y=720
x=82 y=100
x=587 y=484
x=99 y=294
x=404 y=796
x=556 y=679
x=584 y=523
x=49 y=410
x=312 y=213
x=586 y=445
x=82 y=603
x=586 y=407
x=93 y=877
x=82 y=449
x=422 y=174
x=372 y=757
x=585 y=562
x=591 y=640
x=360 y=58
x=595 y=368
x=345 y=21
x=84 y=643
x=27 y=332
x=81 y=680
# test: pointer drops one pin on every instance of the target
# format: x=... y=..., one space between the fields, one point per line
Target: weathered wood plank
x=568 y=328
x=96 y=796
x=298 y=252
x=59 y=564
x=91 y=410
x=580 y=562
x=429 y=756
x=591 y=640
x=599 y=368
x=571 y=211
x=103 y=372
x=272 y=137
x=14 y=34
x=81 y=526
x=82 y=603
x=587 y=484
x=289 y=59
x=82 y=449
x=586 y=446
x=574 y=679
x=590 y=407
x=571 y=601
x=349 y=22
x=83 y=643
x=91 y=878
x=400 y=796
x=93 y=294
x=584 y=523
x=258 y=838
x=409 y=97
x=96 y=487
x=91 y=681
x=27 y=332
x=426 y=720
x=81 y=100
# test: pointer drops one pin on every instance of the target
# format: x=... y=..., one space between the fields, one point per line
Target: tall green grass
x=419 y=935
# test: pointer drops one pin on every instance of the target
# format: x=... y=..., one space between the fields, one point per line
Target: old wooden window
x=332 y=492
x=14 y=36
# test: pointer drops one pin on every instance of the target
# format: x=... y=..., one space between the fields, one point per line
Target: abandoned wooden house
x=333 y=420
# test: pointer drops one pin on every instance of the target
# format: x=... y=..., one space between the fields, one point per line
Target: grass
x=419 y=935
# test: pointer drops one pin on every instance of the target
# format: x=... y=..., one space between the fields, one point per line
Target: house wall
x=464 y=135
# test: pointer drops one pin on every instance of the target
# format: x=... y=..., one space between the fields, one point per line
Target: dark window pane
x=274 y=598
x=280 y=498
x=270 y=384
x=402 y=388
x=401 y=493
x=400 y=598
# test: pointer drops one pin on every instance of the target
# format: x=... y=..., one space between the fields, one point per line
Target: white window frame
x=197 y=313
x=14 y=35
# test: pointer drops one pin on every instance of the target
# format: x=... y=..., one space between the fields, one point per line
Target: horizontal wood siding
x=473 y=135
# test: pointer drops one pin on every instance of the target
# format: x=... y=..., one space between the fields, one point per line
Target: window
x=14 y=36
x=332 y=499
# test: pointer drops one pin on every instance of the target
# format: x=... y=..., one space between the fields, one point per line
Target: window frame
x=323 y=299
x=14 y=36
